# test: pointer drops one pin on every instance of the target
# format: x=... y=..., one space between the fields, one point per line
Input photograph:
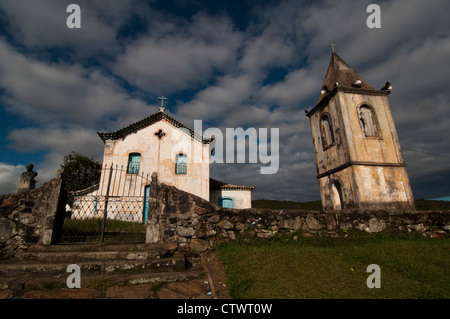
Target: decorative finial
x=332 y=45
x=162 y=99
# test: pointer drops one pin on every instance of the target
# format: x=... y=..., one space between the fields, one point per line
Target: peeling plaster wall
x=383 y=182
x=370 y=170
x=337 y=154
x=369 y=187
x=382 y=149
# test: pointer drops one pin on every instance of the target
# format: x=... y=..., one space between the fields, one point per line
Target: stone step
x=96 y=252
x=131 y=247
x=78 y=256
x=100 y=281
x=15 y=268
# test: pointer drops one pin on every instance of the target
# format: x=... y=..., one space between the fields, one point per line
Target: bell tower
x=358 y=155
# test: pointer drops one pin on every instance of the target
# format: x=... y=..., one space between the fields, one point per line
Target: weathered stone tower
x=358 y=155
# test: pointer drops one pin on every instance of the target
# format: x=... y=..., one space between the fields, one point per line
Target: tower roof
x=340 y=74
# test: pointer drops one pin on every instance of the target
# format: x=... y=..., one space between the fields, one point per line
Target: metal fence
x=114 y=210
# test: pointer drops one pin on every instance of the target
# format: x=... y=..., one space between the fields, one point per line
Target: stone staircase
x=100 y=264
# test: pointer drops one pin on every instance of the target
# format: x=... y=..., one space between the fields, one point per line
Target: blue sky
x=229 y=63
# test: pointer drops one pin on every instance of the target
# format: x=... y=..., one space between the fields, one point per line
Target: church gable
x=160 y=144
x=146 y=122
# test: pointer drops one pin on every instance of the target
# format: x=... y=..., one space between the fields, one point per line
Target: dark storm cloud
x=262 y=75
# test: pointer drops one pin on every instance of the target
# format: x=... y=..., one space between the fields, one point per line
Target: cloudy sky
x=229 y=63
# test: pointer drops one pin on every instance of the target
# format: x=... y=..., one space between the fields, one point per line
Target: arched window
x=134 y=163
x=326 y=130
x=181 y=164
x=368 y=120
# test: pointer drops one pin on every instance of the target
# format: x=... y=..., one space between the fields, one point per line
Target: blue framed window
x=134 y=163
x=181 y=164
x=226 y=202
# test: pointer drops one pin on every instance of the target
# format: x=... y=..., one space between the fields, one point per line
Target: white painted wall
x=242 y=198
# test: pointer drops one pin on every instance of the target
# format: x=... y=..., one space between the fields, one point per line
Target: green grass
x=52 y=285
x=77 y=230
x=101 y=284
x=95 y=225
x=322 y=267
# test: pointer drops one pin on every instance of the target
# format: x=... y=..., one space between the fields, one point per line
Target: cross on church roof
x=162 y=99
x=332 y=45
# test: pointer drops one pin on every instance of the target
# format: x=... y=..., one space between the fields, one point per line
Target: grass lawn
x=281 y=267
x=75 y=230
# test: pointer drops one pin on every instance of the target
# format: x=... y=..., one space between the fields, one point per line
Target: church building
x=358 y=154
x=180 y=157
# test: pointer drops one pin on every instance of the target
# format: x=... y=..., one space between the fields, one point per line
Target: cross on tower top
x=332 y=45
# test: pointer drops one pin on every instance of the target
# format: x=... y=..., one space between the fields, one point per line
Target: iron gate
x=114 y=210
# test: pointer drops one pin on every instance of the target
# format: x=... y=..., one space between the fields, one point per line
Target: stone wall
x=195 y=224
x=31 y=217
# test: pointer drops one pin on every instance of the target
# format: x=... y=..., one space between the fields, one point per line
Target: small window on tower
x=368 y=121
x=326 y=131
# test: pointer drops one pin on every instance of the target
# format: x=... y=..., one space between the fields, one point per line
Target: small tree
x=80 y=171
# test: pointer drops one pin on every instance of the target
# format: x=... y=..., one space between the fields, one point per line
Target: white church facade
x=156 y=144
x=180 y=157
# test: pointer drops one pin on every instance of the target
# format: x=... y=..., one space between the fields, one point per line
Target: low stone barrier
x=195 y=224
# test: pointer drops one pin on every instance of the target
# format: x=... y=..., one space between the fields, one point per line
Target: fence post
x=105 y=212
